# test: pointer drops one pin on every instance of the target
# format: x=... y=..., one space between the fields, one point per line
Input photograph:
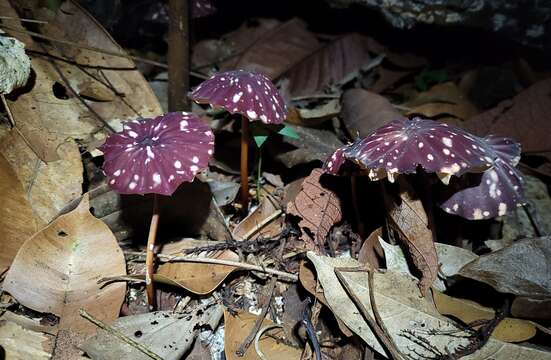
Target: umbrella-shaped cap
x=249 y=94
x=500 y=188
x=400 y=146
x=157 y=155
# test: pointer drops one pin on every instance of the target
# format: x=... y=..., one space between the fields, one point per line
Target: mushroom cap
x=400 y=146
x=243 y=92
x=157 y=155
x=501 y=188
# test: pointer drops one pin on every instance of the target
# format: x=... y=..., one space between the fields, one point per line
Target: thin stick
x=119 y=334
x=244 y=164
x=8 y=111
x=150 y=255
x=261 y=224
x=178 y=55
x=257 y=339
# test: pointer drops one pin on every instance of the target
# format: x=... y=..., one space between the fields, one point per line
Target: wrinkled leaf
x=167 y=334
x=410 y=219
x=318 y=207
x=238 y=327
x=402 y=310
x=521 y=268
x=508 y=330
x=17 y=222
x=56 y=271
x=364 y=111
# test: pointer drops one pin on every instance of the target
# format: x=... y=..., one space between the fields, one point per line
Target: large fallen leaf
x=238 y=327
x=364 y=111
x=18 y=343
x=409 y=218
x=412 y=321
x=522 y=268
x=329 y=65
x=445 y=102
x=47 y=113
x=318 y=207
x=274 y=51
x=196 y=277
x=56 y=271
x=508 y=330
x=50 y=187
x=450 y=260
x=17 y=222
x=169 y=335
x=523 y=118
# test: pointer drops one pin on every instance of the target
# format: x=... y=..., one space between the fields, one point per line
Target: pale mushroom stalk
x=150 y=253
x=244 y=169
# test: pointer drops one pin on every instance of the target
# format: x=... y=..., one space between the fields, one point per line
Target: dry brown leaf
x=329 y=65
x=18 y=343
x=238 y=327
x=270 y=49
x=365 y=111
x=409 y=218
x=508 y=330
x=318 y=207
x=47 y=113
x=443 y=101
x=17 y=222
x=56 y=271
x=264 y=221
x=371 y=249
x=198 y=278
x=523 y=118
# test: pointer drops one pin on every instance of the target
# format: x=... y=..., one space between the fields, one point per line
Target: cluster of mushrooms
x=155 y=156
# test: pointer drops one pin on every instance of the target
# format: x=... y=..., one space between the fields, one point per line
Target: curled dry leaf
x=412 y=321
x=56 y=271
x=17 y=222
x=318 y=207
x=508 y=330
x=521 y=268
x=198 y=278
x=238 y=327
x=409 y=218
x=523 y=118
x=364 y=112
x=265 y=221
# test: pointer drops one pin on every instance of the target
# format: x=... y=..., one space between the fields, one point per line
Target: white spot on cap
x=183 y=125
x=447 y=141
x=477 y=214
x=195 y=159
x=237 y=96
x=502 y=209
x=132 y=185
x=133 y=134
x=136 y=177
x=149 y=152
x=177 y=164
x=486 y=213
x=446 y=151
x=420 y=145
x=117 y=173
x=252 y=114
x=193 y=168
x=156 y=178
x=430 y=157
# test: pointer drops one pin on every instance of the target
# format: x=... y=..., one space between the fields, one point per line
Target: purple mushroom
x=249 y=94
x=400 y=146
x=156 y=156
x=500 y=188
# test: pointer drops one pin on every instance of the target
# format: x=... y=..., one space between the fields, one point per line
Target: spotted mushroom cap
x=400 y=146
x=243 y=92
x=500 y=188
x=201 y=8
x=157 y=155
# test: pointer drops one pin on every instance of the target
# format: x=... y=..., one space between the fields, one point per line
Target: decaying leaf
x=523 y=118
x=411 y=320
x=169 y=335
x=15 y=65
x=521 y=268
x=17 y=222
x=18 y=343
x=56 y=271
x=508 y=330
x=446 y=102
x=321 y=112
x=196 y=277
x=265 y=221
x=409 y=218
x=238 y=327
x=364 y=112
x=318 y=207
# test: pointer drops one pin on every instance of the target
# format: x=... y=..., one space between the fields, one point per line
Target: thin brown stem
x=178 y=55
x=150 y=254
x=244 y=164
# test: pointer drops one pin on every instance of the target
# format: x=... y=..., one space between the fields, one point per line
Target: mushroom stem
x=244 y=164
x=150 y=255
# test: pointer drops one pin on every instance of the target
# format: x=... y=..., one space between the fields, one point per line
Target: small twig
x=23 y=20
x=257 y=339
x=8 y=111
x=119 y=334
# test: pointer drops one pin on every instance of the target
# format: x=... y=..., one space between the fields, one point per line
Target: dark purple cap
x=400 y=146
x=157 y=155
x=500 y=188
x=242 y=92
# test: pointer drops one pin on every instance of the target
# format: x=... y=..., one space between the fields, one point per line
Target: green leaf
x=260 y=139
x=54 y=5
x=289 y=132
x=427 y=78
